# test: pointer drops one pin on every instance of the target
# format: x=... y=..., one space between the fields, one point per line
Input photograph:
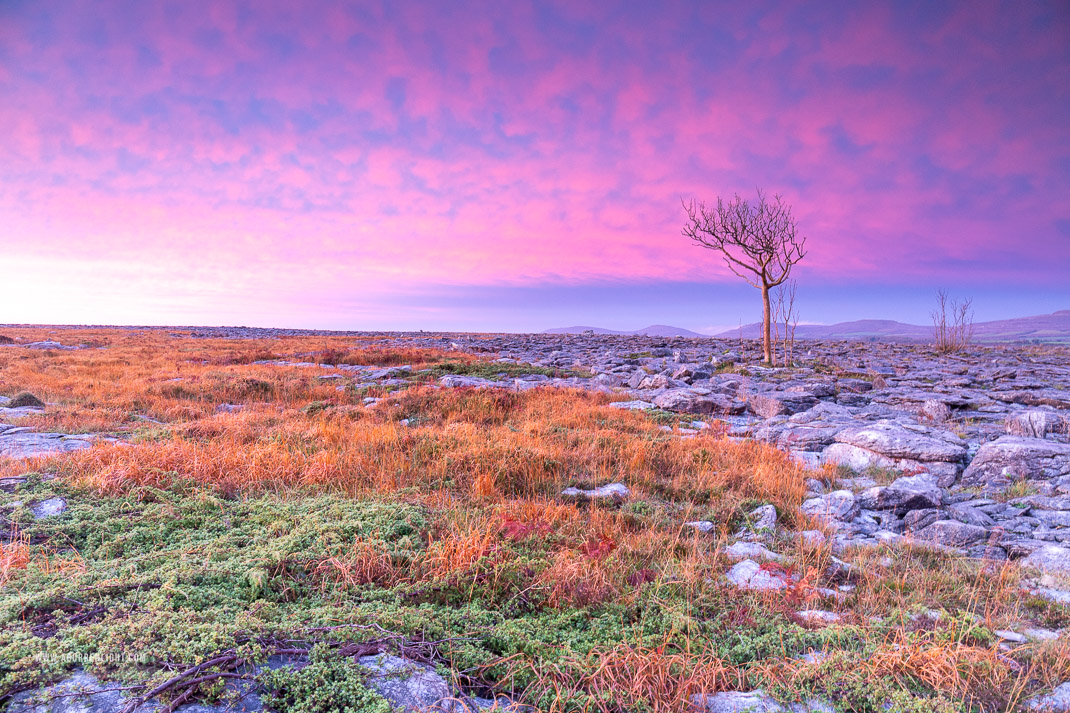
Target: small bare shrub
x=952 y=323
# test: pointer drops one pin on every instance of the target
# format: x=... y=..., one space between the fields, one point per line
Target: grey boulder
x=613 y=493
x=1010 y=458
x=408 y=685
x=1058 y=701
x=775 y=403
x=908 y=493
x=838 y=506
x=1037 y=423
x=951 y=533
x=1050 y=560
x=898 y=443
x=748 y=574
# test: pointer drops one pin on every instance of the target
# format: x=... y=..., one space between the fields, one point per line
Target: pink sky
x=401 y=165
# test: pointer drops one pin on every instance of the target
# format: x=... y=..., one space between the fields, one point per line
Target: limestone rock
x=751 y=550
x=818 y=617
x=952 y=533
x=904 y=494
x=20 y=443
x=614 y=493
x=635 y=405
x=775 y=403
x=839 y=505
x=475 y=382
x=895 y=442
x=1009 y=458
x=1037 y=423
x=1050 y=560
x=48 y=508
x=1058 y=701
x=736 y=702
x=409 y=686
x=748 y=574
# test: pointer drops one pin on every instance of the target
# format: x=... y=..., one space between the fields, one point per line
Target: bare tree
x=759 y=242
x=786 y=317
x=952 y=323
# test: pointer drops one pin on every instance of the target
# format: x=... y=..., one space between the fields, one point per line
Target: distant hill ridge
x=654 y=330
x=1054 y=327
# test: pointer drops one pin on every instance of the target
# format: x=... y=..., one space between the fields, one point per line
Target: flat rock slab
x=453 y=382
x=409 y=686
x=613 y=493
x=1009 y=458
x=752 y=702
x=84 y=693
x=895 y=442
x=1050 y=560
x=16 y=412
x=776 y=403
x=48 y=508
x=1058 y=701
x=635 y=405
x=28 y=444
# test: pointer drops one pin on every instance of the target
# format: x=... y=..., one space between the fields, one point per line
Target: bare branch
x=758 y=240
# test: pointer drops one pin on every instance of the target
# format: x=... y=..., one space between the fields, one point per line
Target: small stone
x=736 y=702
x=751 y=550
x=935 y=411
x=812 y=538
x=818 y=617
x=1010 y=636
x=48 y=508
x=839 y=505
x=701 y=525
x=748 y=574
x=1040 y=634
x=614 y=493
x=1058 y=701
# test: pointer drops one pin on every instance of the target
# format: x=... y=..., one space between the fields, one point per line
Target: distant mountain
x=654 y=330
x=1053 y=327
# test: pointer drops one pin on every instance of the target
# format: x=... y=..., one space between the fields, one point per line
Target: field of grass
x=430 y=524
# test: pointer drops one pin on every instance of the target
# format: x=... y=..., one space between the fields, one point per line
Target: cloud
x=526 y=144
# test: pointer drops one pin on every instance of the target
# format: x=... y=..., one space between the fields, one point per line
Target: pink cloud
x=529 y=144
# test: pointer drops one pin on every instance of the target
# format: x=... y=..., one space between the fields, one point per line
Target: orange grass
x=14 y=554
x=527 y=444
x=627 y=675
x=509 y=453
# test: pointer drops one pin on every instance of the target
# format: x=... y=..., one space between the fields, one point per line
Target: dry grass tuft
x=627 y=677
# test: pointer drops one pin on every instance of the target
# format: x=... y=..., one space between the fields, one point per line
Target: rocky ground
x=968 y=454
x=970 y=450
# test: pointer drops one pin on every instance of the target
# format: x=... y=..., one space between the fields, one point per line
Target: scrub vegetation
x=429 y=522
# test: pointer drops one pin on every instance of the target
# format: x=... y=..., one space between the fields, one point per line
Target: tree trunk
x=766 y=324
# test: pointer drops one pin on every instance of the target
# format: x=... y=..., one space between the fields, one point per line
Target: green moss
x=490 y=369
x=328 y=684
